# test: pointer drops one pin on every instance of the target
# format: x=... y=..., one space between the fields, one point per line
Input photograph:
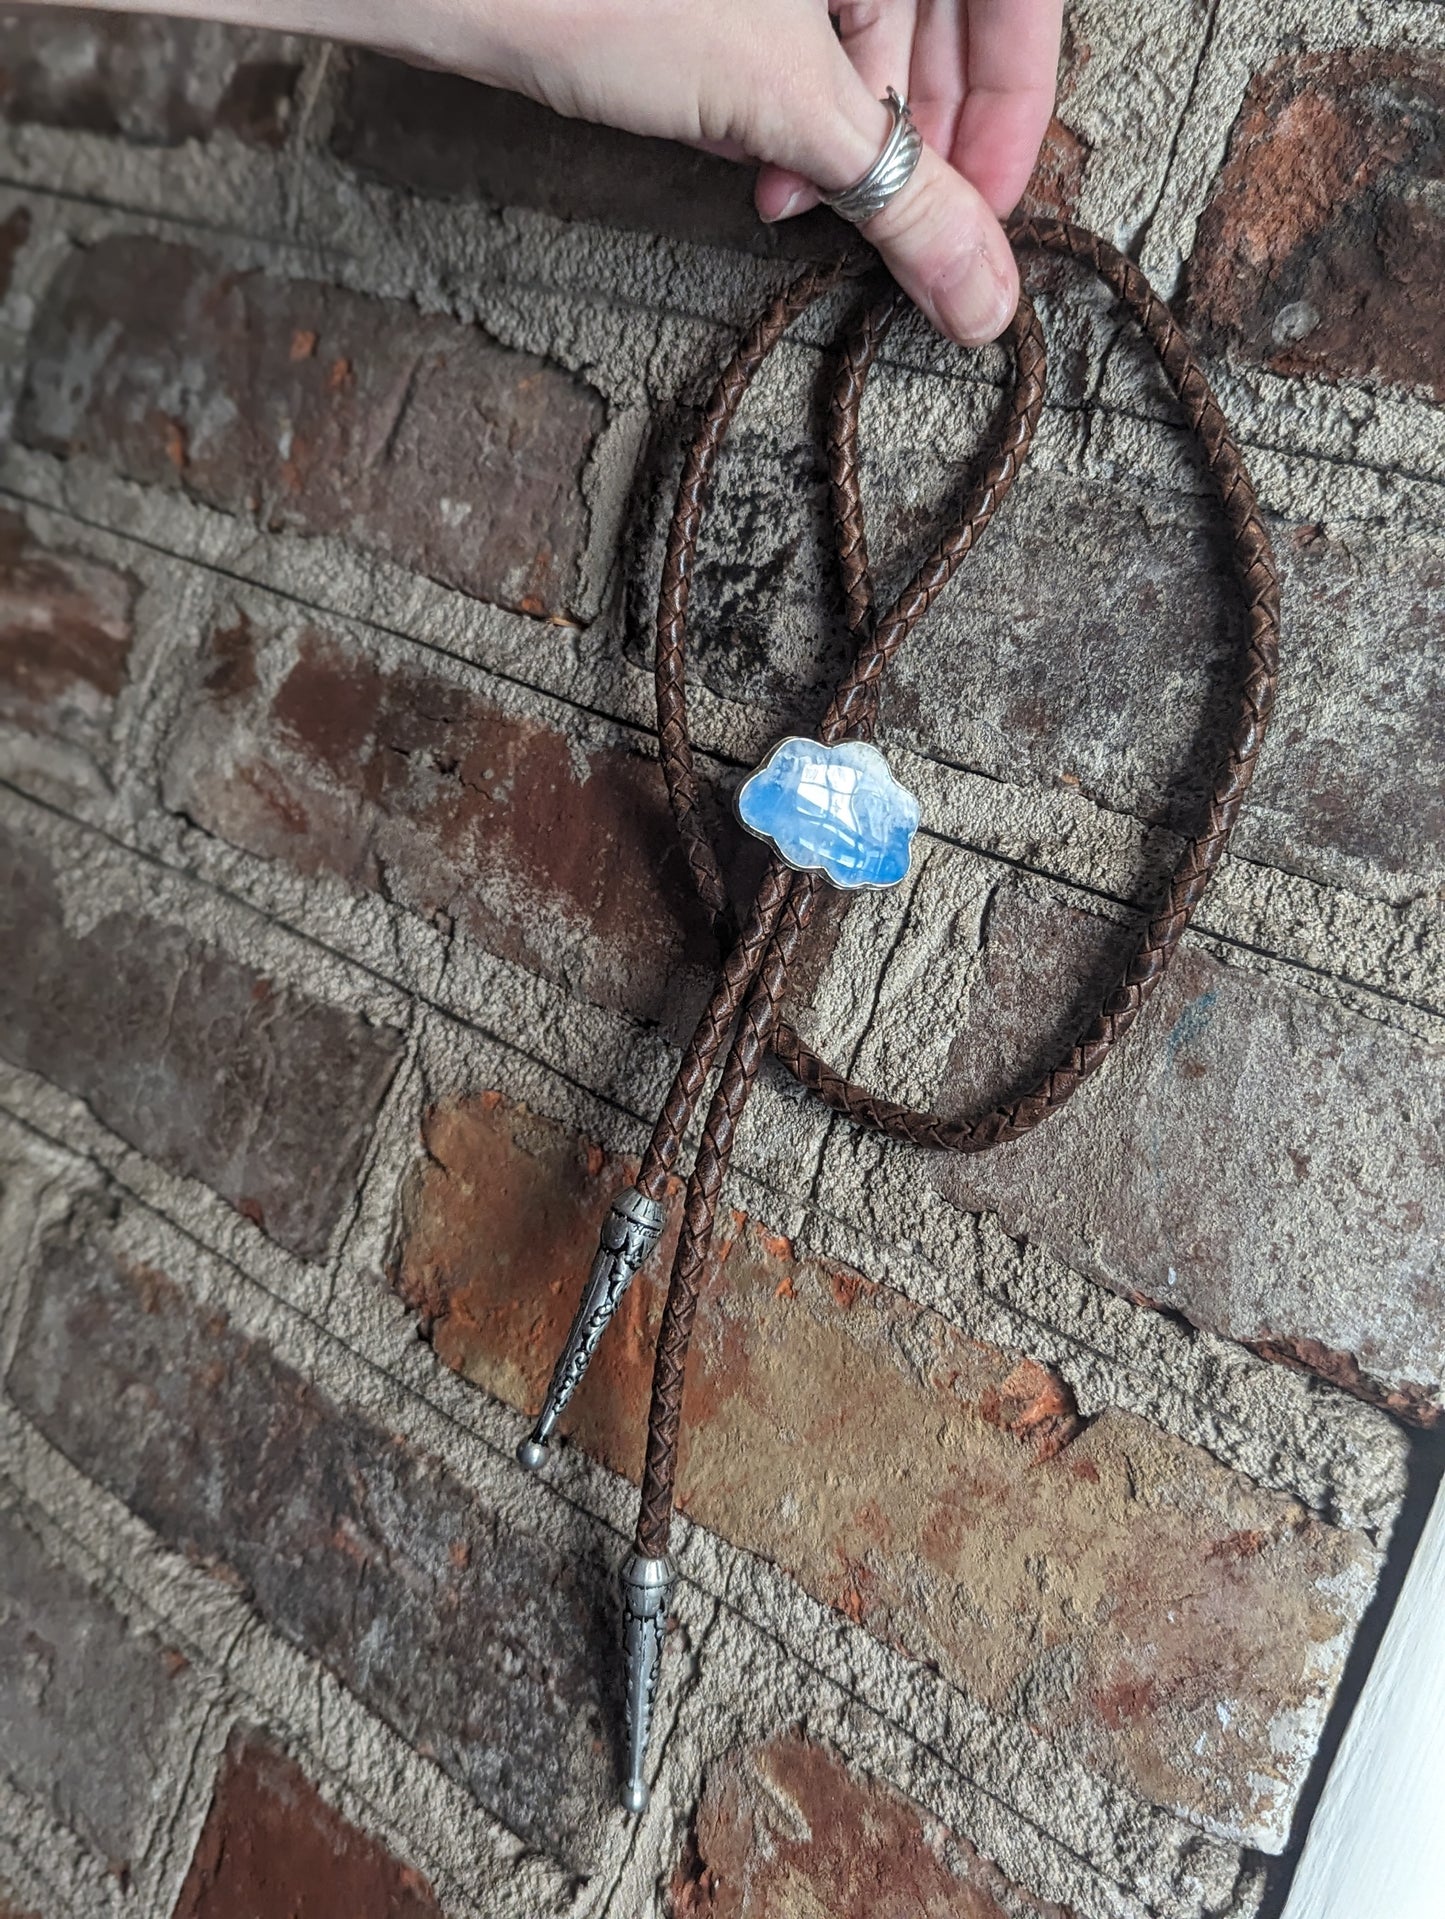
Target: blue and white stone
x=832 y=809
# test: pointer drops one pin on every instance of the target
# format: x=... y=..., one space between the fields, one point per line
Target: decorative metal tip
x=631 y=1229
x=647 y=1586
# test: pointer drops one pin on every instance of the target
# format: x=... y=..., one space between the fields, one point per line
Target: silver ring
x=889 y=173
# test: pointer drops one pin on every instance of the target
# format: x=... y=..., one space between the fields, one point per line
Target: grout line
x=315 y=252
x=727 y=762
x=1140 y=238
x=794 y=1656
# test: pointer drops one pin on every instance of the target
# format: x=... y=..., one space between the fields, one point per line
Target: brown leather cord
x=852 y=711
x=785 y=900
x=1259 y=582
x=755 y=973
x=693 y=490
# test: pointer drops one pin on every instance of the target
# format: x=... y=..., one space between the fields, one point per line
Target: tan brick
x=1175 y=1626
x=787 y=1829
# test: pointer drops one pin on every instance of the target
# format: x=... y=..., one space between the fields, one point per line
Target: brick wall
x=1031 y=1505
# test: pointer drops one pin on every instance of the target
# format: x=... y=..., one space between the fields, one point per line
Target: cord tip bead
x=630 y=1231
x=647 y=1586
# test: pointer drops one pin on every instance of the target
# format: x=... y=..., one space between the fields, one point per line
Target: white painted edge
x=1376 y=1845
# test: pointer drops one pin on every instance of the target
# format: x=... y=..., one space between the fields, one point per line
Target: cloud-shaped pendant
x=832 y=809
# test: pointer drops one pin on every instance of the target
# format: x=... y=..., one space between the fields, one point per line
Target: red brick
x=86 y=1702
x=1322 y=250
x=1057 y=180
x=65 y=637
x=915 y=1480
x=409 y=434
x=272 y=1846
x=560 y=859
x=158 y=82
x=787 y=1828
x=474 y=1640
x=435 y=133
x=1253 y=1157
x=203 y=1064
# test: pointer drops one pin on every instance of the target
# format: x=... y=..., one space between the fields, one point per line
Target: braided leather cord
x=693 y=492
x=1259 y=581
x=747 y=948
x=853 y=709
x=759 y=962
x=755 y=974
x=1200 y=855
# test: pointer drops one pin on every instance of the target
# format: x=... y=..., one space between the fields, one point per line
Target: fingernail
x=789 y=207
x=971 y=300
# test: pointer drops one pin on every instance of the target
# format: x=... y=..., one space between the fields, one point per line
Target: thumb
x=946 y=249
x=938 y=235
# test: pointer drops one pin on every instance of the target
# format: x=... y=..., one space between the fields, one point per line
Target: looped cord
x=753 y=980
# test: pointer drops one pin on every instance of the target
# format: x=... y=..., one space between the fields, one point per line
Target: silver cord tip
x=646 y=1594
x=629 y=1233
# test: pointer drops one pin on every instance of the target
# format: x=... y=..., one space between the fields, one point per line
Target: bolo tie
x=834 y=816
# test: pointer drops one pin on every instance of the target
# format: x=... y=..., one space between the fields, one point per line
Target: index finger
x=1010 y=74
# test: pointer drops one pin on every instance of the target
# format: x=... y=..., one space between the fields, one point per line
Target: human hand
x=769 y=80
